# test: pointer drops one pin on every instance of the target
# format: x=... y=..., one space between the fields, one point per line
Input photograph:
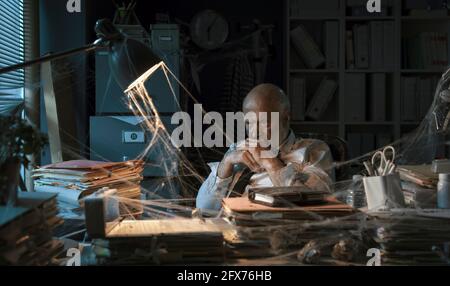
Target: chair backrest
x=338 y=149
x=338 y=146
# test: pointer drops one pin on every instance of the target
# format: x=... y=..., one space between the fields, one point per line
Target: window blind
x=11 y=40
x=11 y=52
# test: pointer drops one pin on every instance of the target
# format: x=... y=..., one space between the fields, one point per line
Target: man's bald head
x=266 y=97
x=269 y=98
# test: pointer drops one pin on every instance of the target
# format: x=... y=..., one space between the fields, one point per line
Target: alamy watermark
x=74 y=257
x=262 y=129
x=375 y=255
x=373 y=6
x=73 y=6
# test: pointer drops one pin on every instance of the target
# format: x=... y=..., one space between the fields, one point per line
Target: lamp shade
x=128 y=58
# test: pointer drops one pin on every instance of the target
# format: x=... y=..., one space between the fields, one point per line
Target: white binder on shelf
x=361 y=41
x=350 y=50
x=298 y=98
x=354 y=141
x=306 y=47
x=355 y=97
x=378 y=96
x=376 y=44
x=331 y=44
x=321 y=99
x=389 y=45
x=424 y=96
x=408 y=99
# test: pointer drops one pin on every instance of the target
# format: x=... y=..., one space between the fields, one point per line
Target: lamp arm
x=86 y=49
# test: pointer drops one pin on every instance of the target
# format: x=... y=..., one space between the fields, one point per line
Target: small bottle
x=356 y=196
x=443 y=191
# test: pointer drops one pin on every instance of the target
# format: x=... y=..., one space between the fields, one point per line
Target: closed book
x=443 y=49
x=298 y=98
x=428 y=13
x=424 y=96
x=331 y=44
x=355 y=97
x=388 y=45
x=434 y=50
x=306 y=47
x=317 y=8
x=424 y=5
x=367 y=142
x=354 y=141
x=286 y=196
x=408 y=99
x=426 y=55
x=376 y=44
x=378 y=96
x=321 y=99
x=350 y=50
x=361 y=41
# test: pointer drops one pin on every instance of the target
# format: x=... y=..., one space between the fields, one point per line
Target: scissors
x=383 y=161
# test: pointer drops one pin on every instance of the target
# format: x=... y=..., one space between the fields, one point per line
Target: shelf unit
x=403 y=24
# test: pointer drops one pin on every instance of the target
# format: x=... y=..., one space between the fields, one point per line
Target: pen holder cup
x=383 y=192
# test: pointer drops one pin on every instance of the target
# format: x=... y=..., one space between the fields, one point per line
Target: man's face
x=260 y=119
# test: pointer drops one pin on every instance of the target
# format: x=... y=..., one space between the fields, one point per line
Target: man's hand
x=269 y=164
x=225 y=169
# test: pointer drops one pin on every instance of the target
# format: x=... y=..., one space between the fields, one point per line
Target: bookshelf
x=404 y=23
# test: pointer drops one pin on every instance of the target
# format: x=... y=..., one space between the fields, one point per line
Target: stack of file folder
x=164 y=241
x=419 y=185
x=74 y=180
x=412 y=237
x=263 y=231
x=26 y=230
x=242 y=212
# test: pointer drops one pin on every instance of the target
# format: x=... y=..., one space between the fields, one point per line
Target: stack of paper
x=411 y=237
x=26 y=230
x=265 y=231
x=241 y=211
x=419 y=185
x=73 y=180
x=161 y=241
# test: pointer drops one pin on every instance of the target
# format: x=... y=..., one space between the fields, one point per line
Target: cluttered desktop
x=343 y=161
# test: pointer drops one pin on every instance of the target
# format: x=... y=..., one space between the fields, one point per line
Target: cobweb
x=330 y=240
x=321 y=241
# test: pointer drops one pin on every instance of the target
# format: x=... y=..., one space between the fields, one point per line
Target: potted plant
x=18 y=140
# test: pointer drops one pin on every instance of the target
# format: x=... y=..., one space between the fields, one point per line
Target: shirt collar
x=286 y=145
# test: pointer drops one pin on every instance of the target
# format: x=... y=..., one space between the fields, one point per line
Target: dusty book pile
x=242 y=212
x=26 y=230
x=419 y=185
x=412 y=237
x=167 y=241
x=264 y=231
x=74 y=180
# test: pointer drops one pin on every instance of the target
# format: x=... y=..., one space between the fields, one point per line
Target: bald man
x=299 y=161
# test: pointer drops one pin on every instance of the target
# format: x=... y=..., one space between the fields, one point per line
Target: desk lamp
x=129 y=58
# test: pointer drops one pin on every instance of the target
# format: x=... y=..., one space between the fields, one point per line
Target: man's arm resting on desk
x=213 y=190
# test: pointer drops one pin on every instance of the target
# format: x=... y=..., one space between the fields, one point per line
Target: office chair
x=338 y=148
